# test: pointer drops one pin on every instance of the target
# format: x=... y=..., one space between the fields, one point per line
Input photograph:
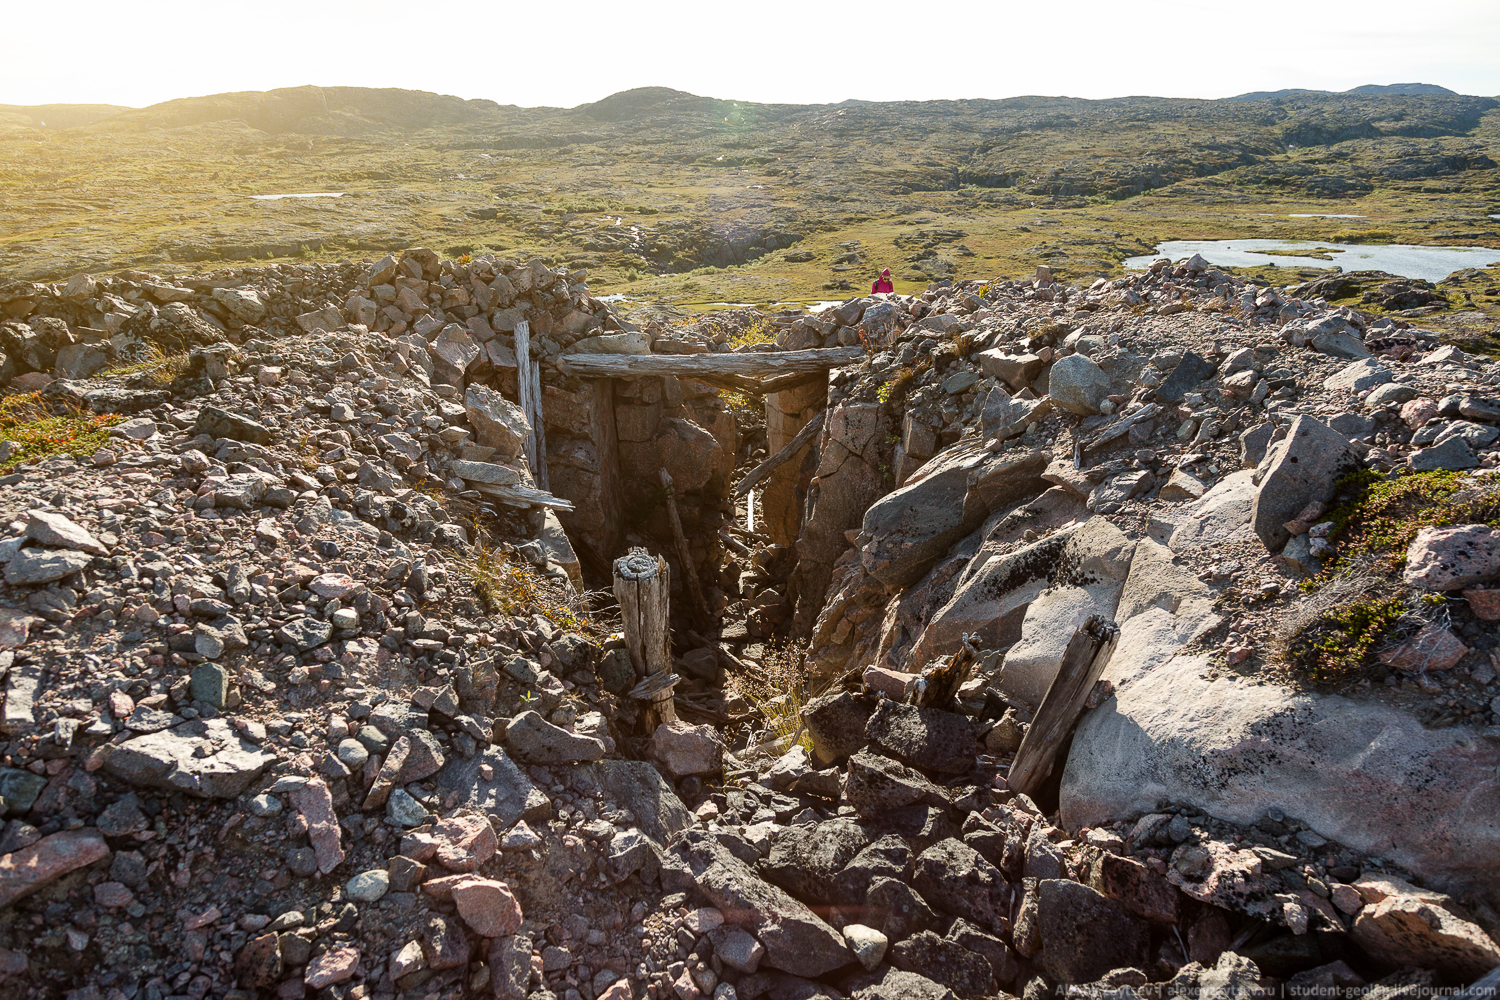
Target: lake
x=310 y=194
x=1430 y=263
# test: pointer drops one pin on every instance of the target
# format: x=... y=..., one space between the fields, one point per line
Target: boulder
x=875 y=785
x=954 y=878
x=498 y=423
x=807 y=860
x=1403 y=930
x=836 y=722
x=924 y=737
x=1085 y=934
x=535 y=740
x=685 y=749
x=1077 y=384
x=1087 y=579
x=639 y=787
x=502 y=796
x=946 y=962
x=1369 y=776
x=487 y=906
x=1452 y=558
x=220 y=423
x=1016 y=370
x=909 y=529
x=244 y=304
x=1453 y=453
x=1185 y=376
x=202 y=757
x=1300 y=468
x=28 y=869
x=35 y=566
x=1357 y=376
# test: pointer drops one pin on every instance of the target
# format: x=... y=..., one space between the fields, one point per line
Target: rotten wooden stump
x=1082 y=665
x=642 y=584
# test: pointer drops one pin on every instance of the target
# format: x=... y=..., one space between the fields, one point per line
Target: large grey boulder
x=202 y=757
x=909 y=529
x=1301 y=468
x=1078 y=385
x=1162 y=608
x=1085 y=934
x=639 y=787
x=1367 y=775
x=1357 y=376
x=925 y=737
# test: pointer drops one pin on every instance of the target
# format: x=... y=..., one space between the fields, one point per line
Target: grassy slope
x=640 y=187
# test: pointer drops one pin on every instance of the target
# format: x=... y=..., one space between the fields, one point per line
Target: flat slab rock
x=1369 y=776
x=169 y=760
x=31 y=868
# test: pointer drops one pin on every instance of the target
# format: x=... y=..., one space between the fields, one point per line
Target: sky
x=772 y=51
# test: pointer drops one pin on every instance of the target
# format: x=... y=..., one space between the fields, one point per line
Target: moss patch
x=1335 y=648
x=1379 y=515
x=24 y=418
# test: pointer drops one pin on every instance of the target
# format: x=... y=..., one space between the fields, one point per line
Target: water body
x=310 y=194
x=1323 y=215
x=1430 y=263
x=1495 y=216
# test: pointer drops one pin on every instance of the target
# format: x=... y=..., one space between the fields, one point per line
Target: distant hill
x=1392 y=89
x=56 y=115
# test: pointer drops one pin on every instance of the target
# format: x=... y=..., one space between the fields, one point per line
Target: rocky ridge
x=266 y=736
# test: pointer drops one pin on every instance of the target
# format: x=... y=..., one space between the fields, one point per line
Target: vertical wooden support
x=1083 y=664
x=642 y=586
x=529 y=393
x=684 y=555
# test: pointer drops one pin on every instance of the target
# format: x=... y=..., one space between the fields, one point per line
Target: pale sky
x=787 y=51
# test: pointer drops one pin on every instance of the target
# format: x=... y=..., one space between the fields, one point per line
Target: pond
x=1323 y=215
x=1430 y=263
x=310 y=194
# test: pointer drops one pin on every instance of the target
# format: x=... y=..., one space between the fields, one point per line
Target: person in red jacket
x=883 y=283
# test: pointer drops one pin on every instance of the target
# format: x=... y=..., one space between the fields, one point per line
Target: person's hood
x=886 y=273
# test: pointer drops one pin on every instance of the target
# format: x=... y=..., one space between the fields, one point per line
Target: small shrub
x=1336 y=647
x=778 y=693
x=43 y=431
x=759 y=332
x=1379 y=515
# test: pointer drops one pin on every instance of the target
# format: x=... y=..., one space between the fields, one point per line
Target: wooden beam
x=762 y=472
x=1082 y=665
x=751 y=364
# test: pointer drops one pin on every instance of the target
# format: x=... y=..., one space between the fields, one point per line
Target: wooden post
x=684 y=555
x=529 y=392
x=1082 y=665
x=642 y=586
x=523 y=389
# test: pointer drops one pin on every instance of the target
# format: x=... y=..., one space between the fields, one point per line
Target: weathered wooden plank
x=763 y=471
x=761 y=364
x=1083 y=663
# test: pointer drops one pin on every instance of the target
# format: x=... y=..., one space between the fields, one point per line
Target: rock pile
x=294 y=707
